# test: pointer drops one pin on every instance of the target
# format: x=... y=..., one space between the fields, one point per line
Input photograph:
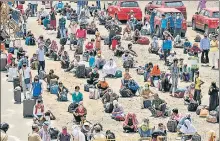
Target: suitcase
x=196 y=137
x=211 y=119
x=12 y=73
x=42 y=74
x=86 y=87
x=54 y=89
x=118 y=74
x=3 y=62
x=203 y=113
x=143 y=41
x=87 y=71
x=80 y=71
x=106 y=41
x=192 y=106
x=85 y=57
x=79 y=50
x=172 y=125
x=72 y=107
x=28 y=106
x=63 y=97
x=16 y=82
x=199 y=109
x=147 y=103
x=93 y=94
x=17 y=94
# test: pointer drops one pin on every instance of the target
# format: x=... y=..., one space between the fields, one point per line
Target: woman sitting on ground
x=175 y=115
x=61 y=90
x=65 y=60
x=145 y=130
x=125 y=79
x=194 y=49
x=130 y=123
x=127 y=30
x=110 y=68
x=189 y=93
x=118 y=111
x=155 y=74
x=136 y=35
x=182 y=121
x=93 y=77
x=59 y=54
x=102 y=84
x=146 y=94
x=38 y=111
x=187 y=129
x=80 y=112
x=99 y=61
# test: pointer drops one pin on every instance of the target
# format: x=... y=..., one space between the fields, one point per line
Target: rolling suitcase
x=53 y=82
x=54 y=89
x=87 y=71
x=28 y=106
x=80 y=71
x=172 y=125
x=147 y=103
x=16 y=82
x=42 y=74
x=17 y=94
x=3 y=62
x=86 y=87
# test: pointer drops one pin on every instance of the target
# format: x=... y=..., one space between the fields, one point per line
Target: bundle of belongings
x=178 y=43
x=129 y=88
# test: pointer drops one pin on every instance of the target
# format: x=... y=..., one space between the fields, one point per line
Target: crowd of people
x=100 y=68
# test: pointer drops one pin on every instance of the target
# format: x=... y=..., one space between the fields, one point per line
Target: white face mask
x=47 y=118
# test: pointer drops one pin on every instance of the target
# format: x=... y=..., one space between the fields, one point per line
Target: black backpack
x=63 y=41
x=54 y=132
x=110 y=108
x=110 y=136
x=72 y=107
x=125 y=92
x=192 y=106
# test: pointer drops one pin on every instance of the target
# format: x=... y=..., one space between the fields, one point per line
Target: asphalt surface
x=13 y=113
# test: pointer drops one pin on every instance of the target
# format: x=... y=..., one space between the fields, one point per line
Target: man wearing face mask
x=37 y=88
x=94 y=76
x=50 y=76
x=44 y=132
x=62 y=26
x=205 y=47
x=34 y=136
x=62 y=90
x=64 y=135
x=25 y=77
x=77 y=96
x=178 y=25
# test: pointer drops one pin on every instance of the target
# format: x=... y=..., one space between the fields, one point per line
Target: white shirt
x=33 y=2
x=40 y=53
x=25 y=73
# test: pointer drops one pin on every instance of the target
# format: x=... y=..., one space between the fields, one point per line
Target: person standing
x=41 y=58
x=81 y=35
x=62 y=26
x=214 y=98
x=201 y=5
x=37 y=88
x=98 y=4
x=171 y=22
x=34 y=136
x=79 y=6
x=152 y=16
x=33 y=6
x=25 y=77
x=214 y=50
x=53 y=19
x=44 y=132
x=174 y=75
x=205 y=47
x=178 y=25
x=194 y=62
x=197 y=92
x=163 y=25
x=166 y=47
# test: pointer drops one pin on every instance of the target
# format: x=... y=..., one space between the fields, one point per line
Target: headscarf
x=134 y=120
x=155 y=71
x=188 y=128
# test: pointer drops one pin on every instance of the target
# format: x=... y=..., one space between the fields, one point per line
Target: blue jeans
x=63 y=33
x=33 y=9
x=146 y=76
x=98 y=4
x=152 y=28
x=80 y=42
x=144 y=133
x=78 y=9
x=41 y=65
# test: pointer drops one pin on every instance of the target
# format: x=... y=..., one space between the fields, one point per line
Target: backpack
x=54 y=132
x=72 y=107
x=196 y=137
x=109 y=109
x=63 y=97
x=63 y=41
x=132 y=85
x=192 y=106
x=110 y=136
x=172 y=125
x=118 y=74
x=143 y=41
x=125 y=92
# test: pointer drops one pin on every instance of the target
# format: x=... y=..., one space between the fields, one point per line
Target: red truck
x=167 y=12
x=120 y=9
x=207 y=20
x=167 y=4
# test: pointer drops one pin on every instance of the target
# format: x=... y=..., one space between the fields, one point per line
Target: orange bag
x=204 y=112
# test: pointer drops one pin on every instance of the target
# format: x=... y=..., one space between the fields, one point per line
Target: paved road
x=13 y=113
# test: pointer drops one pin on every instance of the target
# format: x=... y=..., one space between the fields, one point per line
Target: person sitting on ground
x=90 y=46
x=158 y=105
x=80 y=112
x=132 y=52
x=133 y=86
x=125 y=56
x=187 y=45
x=109 y=96
x=127 y=30
x=59 y=54
x=48 y=116
x=61 y=90
x=118 y=111
x=144 y=129
x=175 y=115
x=126 y=78
x=189 y=93
x=161 y=131
x=154 y=46
x=171 y=58
x=136 y=35
x=145 y=94
x=182 y=121
x=46 y=22
x=187 y=129
x=155 y=74
x=38 y=110
x=77 y=96
x=50 y=76
x=110 y=68
x=65 y=60
x=34 y=62
x=194 y=49
x=99 y=61
x=98 y=135
x=73 y=65
x=119 y=51
x=21 y=52
x=177 y=39
x=93 y=77
x=130 y=124
x=53 y=48
x=147 y=70
x=85 y=129
x=92 y=25
x=64 y=135
x=77 y=134
x=34 y=136
x=102 y=84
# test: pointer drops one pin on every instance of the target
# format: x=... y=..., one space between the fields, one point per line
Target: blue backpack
x=63 y=97
x=132 y=85
x=54 y=89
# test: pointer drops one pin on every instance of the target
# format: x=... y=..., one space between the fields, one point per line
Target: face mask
x=64 y=131
x=47 y=117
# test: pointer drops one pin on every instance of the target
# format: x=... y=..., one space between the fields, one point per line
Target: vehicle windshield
x=174 y=4
x=215 y=15
x=129 y=4
x=175 y=14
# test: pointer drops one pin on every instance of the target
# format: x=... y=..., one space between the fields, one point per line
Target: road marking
x=13 y=138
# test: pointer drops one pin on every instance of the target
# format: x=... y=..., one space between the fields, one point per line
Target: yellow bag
x=204 y=112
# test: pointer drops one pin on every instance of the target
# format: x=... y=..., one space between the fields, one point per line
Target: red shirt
x=81 y=33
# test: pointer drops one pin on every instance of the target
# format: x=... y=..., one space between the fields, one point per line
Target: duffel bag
x=211 y=119
x=172 y=125
x=192 y=106
x=143 y=41
x=125 y=92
